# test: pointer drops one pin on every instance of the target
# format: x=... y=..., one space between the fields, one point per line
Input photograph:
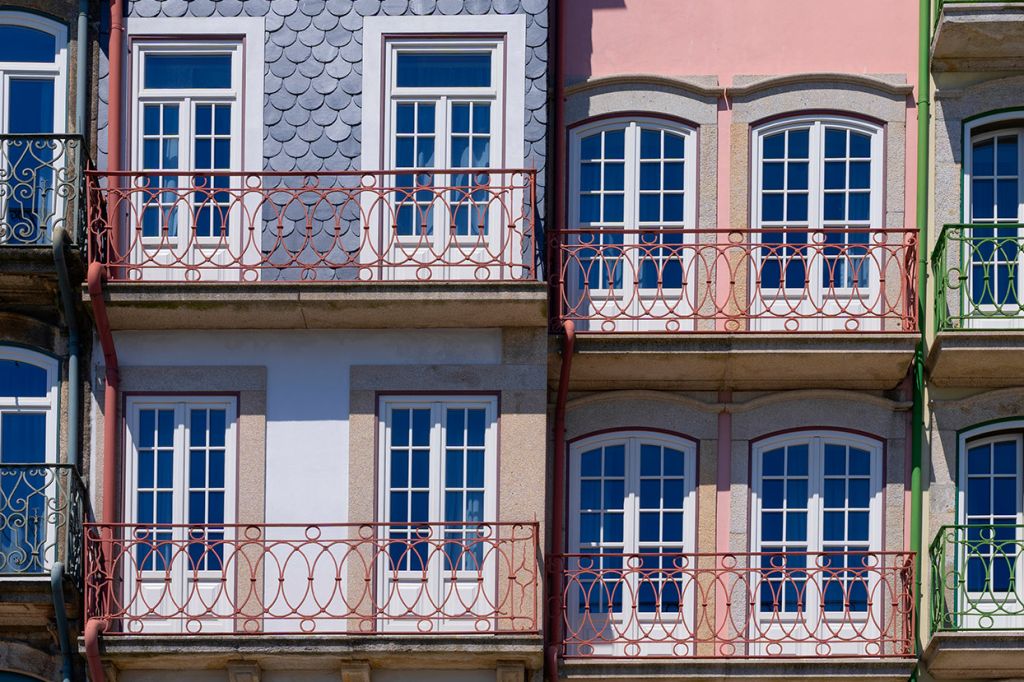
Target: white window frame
x=181 y=404
x=1015 y=126
x=981 y=435
x=817 y=300
x=55 y=71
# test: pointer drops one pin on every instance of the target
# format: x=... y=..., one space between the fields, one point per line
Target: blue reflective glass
x=145 y=464
x=1006 y=156
x=983 y=159
x=420 y=469
x=796 y=493
x=672 y=208
x=590 y=463
x=197 y=469
x=860 y=205
x=443 y=70
x=979 y=499
x=590 y=147
x=796 y=526
x=420 y=506
x=775 y=146
x=978 y=460
x=833 y=526
x=614 y=460
x=165 y=428
x=860 y=145
x=858 y=526
x=674 y=462
x=650 y=527
x=1004 y=496
x=1005 y=456
x=771 y=207
x=590 y=528
x=673 y=494
x=196 y=507
x=860 y=492
x=835 y=460
x=216 y=462
x=425 y=152
x=650 y=208
x=31 y=106
x=798 y=141
x=834 y=207
x=405 y=118
x=615 y=144
x=481 y=118
x=672 y=527
x=771 y=526
x=772 y=494
x=614 y=494
x=191 y=71
x=797 y=172
x=421 y=427
x=399 y=507
x=860 y=462
x=614 y=177
x=650 y=176
x=24 y=44
x=453 y=506
x=674 y=176
x=796 y=208
x=675 y=146
x=835 y=143
x=772 y=462
x=164 y=469
x=650 y=460
x=21 y=379
x=454 y=466
x=797 y=460
x=22 y=438
x=613 y=527
x=425 y=118
x=1006 y=199
x=860 y=175
x=650 y=144
x=835 y=493
x=590 y=495
x=613 y=208
x=835 y=175
x=197 y=428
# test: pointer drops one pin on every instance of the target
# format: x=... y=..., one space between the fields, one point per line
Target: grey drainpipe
x=59 y=239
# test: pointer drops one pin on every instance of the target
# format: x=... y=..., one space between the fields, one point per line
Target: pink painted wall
x=729 y=37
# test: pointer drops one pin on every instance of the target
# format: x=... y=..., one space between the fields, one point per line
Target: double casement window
x=816 y=528
x=180 y=474
x=989 y=539
x=29 y=506
x=444 y=112
x=817 y=195
x=995 y=211
x=632 y=526
x=632 y=210
x=439 y=482
x=187 y=121
x=33 y=96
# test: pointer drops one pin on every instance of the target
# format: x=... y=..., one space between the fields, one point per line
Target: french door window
x=444 y=112
x=818 y=193
x=991 y=510
x=33 y=63
x=817 y=505
x=187 y=112
x=28 y=436
x=631 y=532
x=995 y=211
x=180 y=500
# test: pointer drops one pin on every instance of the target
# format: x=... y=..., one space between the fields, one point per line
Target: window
x=188 y=118
x=818 y=192
x=180 y=497
x=28 y=436
x=33 y=93
x=991 y=514
x=445 y=106
x=633 y=190
x=817 y=499
x=631 y=537
x=994 y=210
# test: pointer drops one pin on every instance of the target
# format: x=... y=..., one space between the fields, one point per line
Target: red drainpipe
x=556 y=558
x=94 y=628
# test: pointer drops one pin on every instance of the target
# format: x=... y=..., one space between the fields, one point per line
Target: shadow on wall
x=579 y=35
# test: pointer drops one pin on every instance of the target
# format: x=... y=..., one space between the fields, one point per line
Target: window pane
x=23 y=44
x=31 y=106
x=22 y=437
x=202 y=71
x=438 y=70
x=21 y=379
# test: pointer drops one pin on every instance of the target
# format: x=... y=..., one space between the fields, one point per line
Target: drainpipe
x=115 y=53
x=74 y=419
x=558 y=508
x=918 y=440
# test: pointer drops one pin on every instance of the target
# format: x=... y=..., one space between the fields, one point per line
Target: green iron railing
x=976 y=572
x=978 y=275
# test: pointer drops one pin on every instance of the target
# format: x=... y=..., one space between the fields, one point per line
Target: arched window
x=993 y=206
x=632 y=204
x=817 y=194
x=28 y=438
x=33 y=66
x=632 y=514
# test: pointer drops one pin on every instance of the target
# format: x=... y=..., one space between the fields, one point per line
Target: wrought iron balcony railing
x=449 y=578
x=41 y=187
x=749 y=605
x=979 y=277
x=42 y=509
x=976 y=578
x=759 y=280
x=424 y=225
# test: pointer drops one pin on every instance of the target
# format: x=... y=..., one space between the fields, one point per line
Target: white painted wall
x=307 y=395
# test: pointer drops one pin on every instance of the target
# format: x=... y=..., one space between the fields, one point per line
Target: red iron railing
x=451 y=578
x=738 y=605
x=438 y=225
x=757 y=280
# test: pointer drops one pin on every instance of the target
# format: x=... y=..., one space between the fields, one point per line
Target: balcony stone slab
x=986 y=655
x=321 y=652
x=982 y=359
x=708 y=362
x=349 y=305
x=730 y=670
x=979 y=36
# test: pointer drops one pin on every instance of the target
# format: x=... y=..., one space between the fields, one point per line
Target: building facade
x=508 y=340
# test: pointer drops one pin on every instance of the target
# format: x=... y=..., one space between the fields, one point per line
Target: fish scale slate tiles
x=313 y=75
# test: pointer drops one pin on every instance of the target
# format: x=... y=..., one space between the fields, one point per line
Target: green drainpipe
x=917 y=441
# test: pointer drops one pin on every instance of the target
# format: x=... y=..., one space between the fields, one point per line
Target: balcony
x=41 y=189
x=977 y=604
x=473 y=588
x=979 y=306
x=740 y=309
x=324 y=249
x=772 y=615
x=42 y=508
x=978 y=35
